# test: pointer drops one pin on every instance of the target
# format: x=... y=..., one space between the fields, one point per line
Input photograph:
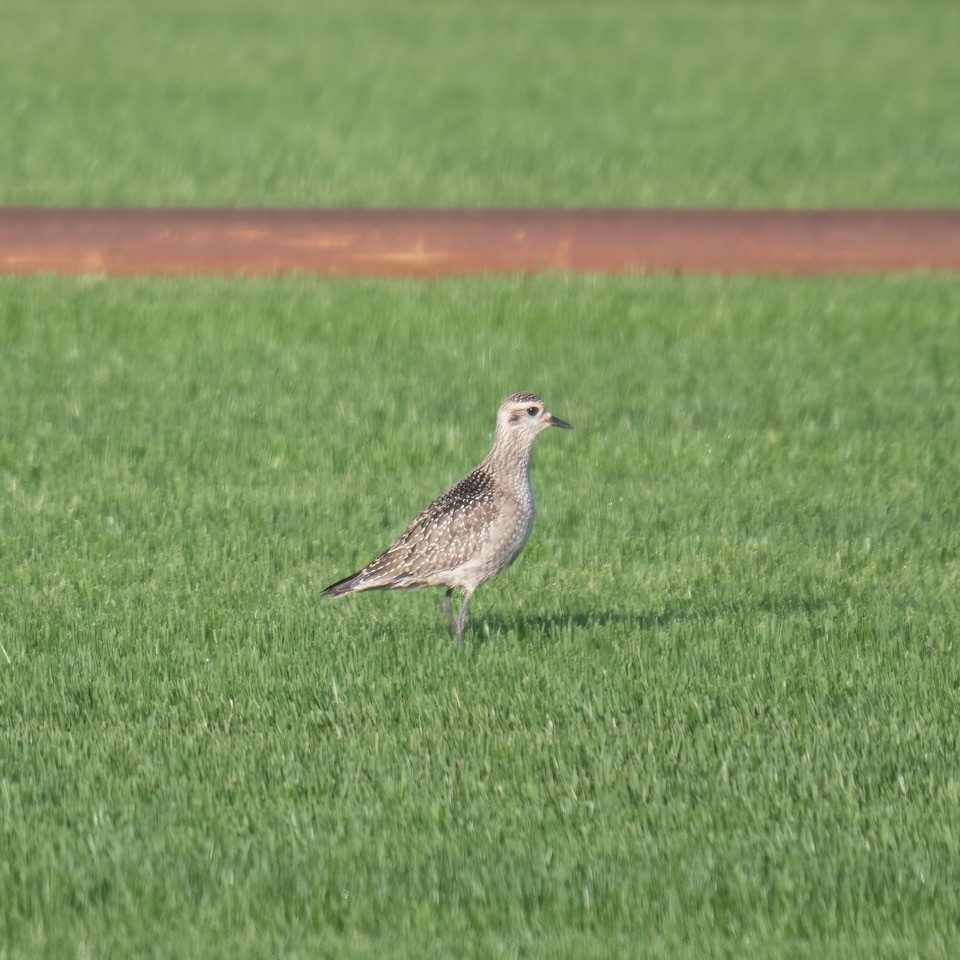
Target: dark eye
x=533 y=411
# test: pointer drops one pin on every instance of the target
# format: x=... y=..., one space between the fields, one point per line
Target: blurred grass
x=711 y=710
x=421 y=103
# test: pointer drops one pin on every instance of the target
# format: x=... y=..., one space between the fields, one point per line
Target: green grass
x=713 y=709
x=378 y=103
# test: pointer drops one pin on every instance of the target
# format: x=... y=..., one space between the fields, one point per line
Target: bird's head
x=524 y=415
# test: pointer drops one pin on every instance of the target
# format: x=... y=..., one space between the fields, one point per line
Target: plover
x=475 y=529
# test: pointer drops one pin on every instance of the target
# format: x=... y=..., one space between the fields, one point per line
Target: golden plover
x=474 y=530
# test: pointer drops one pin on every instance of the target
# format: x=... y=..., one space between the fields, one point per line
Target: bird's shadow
x=557 y=622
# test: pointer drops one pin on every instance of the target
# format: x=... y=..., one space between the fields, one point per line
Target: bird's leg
x=448 y=611
x=461 y=620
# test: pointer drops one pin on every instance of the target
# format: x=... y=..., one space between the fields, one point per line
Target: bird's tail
x=342 y=587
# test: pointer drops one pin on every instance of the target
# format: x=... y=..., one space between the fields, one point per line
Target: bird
x=474 y=530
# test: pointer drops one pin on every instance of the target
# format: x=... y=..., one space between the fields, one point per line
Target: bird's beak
x=553 y=421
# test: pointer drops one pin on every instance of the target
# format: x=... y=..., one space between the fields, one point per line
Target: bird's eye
x=533 y=411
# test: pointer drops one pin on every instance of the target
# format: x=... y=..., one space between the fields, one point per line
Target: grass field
x=712 y=710
x=612 y=102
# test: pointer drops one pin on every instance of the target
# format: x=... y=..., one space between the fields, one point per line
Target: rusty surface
x=443 y=242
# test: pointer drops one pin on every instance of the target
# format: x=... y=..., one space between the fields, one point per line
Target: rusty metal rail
x=445 y=242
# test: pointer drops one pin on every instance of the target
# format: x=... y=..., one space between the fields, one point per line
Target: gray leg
x=448 y=611
x=461 y=621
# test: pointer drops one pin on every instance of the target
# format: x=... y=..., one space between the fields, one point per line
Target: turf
x=712 y=710
x=380 y=103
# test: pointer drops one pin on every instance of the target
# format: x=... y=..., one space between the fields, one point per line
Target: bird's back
x=465 y=536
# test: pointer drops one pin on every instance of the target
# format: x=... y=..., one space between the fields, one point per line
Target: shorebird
x=475 y=529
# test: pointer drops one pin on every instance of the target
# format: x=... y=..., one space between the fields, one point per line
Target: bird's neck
x=510 y=464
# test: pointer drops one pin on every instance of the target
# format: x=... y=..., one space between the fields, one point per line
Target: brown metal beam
x=444 y=242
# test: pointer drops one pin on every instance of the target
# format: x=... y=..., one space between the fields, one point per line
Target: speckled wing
x=442 y=537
